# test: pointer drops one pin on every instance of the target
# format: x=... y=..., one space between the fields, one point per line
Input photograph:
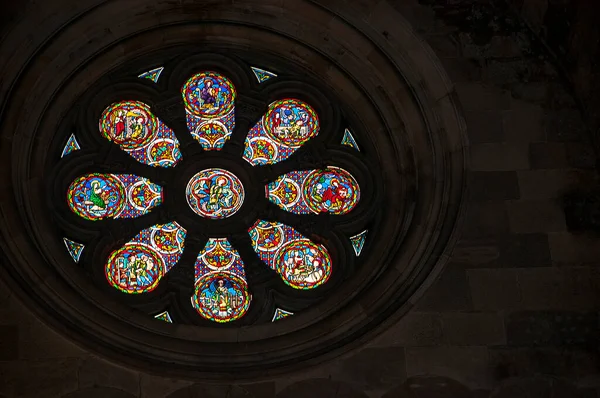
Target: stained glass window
x=280 y=314
x=139 y=265
x=215 y=194
x=349 y=140
x=152 y=74
x=332 y=190
x=221 y=293
x=133 y=126
x=74 y=249
x=164 y=316
x=301 y=263
x=287 y=125
x=209 y=99
x=358 y=242
x=96 y=196
x=71 y=146
x=262 y=75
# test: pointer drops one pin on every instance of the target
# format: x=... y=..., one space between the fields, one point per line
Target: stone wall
x=514 y=314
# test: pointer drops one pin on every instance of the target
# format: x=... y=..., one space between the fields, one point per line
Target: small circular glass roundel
x=215 y=193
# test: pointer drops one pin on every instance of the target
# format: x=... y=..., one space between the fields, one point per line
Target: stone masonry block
x=535 y=216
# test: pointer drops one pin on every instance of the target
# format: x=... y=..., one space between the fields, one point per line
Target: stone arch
x=211 y=391
x=320 y=388
x=99 y=392
x=429 y=387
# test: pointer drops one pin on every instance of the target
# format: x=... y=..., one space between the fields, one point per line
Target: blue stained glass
x=153 y=74
x=280 y=314
x=71 y=146
x=74 y=249
x=358 y=242
x=349 y=140
x=262 y=75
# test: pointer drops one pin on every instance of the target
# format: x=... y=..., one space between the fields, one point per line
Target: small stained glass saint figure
x=222 y=298
x=96 y=200
x=332 y=194
x=219 y=193
x=136 y=272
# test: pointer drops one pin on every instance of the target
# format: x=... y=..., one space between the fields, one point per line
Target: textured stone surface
x=96 y=372
x=319 y=388
x=473 y=329
x=29 y=379
x=494 y=289
x=415 y=329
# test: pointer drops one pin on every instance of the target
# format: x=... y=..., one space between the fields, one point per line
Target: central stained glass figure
x=215 y=193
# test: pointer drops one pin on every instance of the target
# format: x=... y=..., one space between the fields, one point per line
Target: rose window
x=220 y=199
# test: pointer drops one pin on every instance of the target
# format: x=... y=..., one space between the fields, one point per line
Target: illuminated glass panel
x=280 y=314
x=349 y=140
x=215 y=193
x=152 y=74
x=98 y=196
x=301 y=263
x=209 y=99
x=332 y=190
x=164 y=316
x=262 y=75
x=221 y=292
x=71 y=146
x=286 y=126
x=132 y=126
x=358 y=242
x=74 y=249
x=139 y=265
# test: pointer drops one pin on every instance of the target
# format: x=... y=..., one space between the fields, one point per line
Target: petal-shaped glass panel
x=98 y=196
x=221 y=293
x=139 y=265
x=132 y=126
x=209 y=99
x=301 y=263
x=332 y=190
x=287 y=125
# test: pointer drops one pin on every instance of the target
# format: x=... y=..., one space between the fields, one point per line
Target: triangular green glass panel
x=358 y=241
x=280 y=314
x=71 y=146
x=349 y=140
x=74 y=249
x=164 y=316
x=262 y=75
x=152 y=74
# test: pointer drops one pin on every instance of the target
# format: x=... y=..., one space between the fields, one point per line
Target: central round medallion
x=215 y=193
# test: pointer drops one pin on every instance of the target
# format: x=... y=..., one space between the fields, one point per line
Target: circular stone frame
x=395 y=93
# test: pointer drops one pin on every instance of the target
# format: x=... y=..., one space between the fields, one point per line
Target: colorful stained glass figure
x=71 y=146
x=280 y=314
x=152 y=74
x=301 y=263
x=215 y=193
x=349 y=140
x=74 y=249
x=358 y=241
x=98 y=196
x=139 y=265
x=286 y=126
x=209 y=99
x=221 y=293
x=132 y=126
x=332 y=190
x=262 y=75
x=164 y=316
